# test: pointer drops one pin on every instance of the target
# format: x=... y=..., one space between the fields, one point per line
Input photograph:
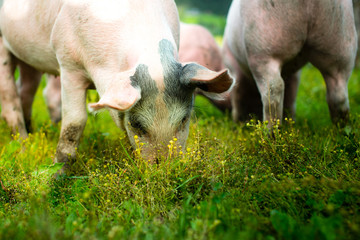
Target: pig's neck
x=157 y=60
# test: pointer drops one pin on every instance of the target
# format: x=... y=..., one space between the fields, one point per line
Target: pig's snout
x=157 y=153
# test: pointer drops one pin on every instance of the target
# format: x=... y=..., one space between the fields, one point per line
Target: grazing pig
x=198 y=45
x=126 y=48
x=270 y=40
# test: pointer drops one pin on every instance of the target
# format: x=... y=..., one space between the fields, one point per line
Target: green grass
x=234 y=181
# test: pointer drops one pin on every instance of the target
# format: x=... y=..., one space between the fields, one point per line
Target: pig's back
x=26 y=29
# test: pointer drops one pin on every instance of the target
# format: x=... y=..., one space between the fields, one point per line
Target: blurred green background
x=219 y=7
x=208 y=13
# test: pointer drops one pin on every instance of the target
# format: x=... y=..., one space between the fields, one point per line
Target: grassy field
x=232 y=181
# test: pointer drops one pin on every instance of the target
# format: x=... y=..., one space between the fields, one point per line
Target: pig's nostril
x=153 y=160
x=157 y=160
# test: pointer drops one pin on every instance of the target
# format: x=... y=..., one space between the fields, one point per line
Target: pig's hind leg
x=11 y=109
x=337 y=94
x=291 y=89
x=245 y=99
x=29 y=82
x=52 y=95
x=336 y=70
x=333 y=52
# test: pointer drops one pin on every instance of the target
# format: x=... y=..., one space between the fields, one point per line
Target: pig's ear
x=119 y=99
x=207 y=80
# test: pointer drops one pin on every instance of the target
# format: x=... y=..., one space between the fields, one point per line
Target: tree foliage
x=220 y=7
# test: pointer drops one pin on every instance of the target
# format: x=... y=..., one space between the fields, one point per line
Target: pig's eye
x=138 y=126
x=183 y=122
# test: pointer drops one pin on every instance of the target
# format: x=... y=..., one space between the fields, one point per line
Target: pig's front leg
x=74 y=116
x=267 y=74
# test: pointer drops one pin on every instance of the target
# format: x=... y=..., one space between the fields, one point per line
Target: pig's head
x=157 y=113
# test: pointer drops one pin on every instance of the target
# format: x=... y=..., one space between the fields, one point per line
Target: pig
x=198 y=45
x=127 y=49
x=269 y=41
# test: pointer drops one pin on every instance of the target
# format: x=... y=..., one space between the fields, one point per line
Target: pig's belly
x=41 y=58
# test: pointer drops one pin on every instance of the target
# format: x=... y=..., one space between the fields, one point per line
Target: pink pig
x=268 y=41
x=196 y=45
x=126 y=49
